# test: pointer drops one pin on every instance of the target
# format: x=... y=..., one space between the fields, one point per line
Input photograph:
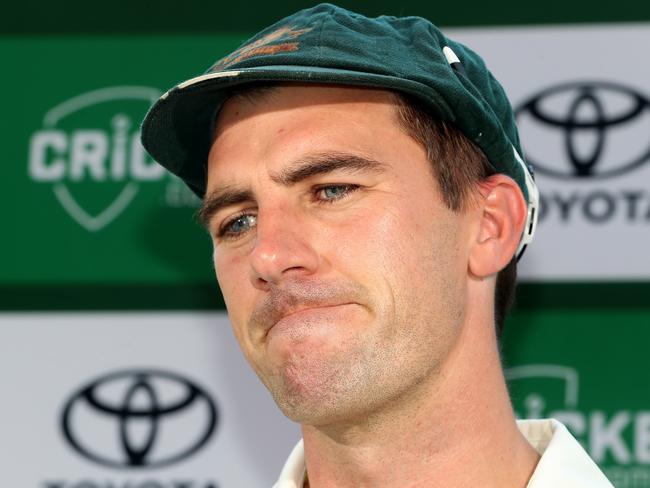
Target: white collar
x=293 y=472
x=563 y=462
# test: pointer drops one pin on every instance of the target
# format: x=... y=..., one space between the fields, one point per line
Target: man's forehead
x=259 y=98
x=265 y=102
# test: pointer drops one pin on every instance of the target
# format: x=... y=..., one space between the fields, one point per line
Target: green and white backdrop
x=118 y=368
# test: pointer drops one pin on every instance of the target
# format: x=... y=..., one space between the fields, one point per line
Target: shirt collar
x=293 y=472
x=563 y=462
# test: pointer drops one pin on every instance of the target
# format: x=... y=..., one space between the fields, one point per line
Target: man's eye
x=331 y=193
x=237 y=226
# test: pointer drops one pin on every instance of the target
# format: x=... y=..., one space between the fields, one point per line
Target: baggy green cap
x=328 y=44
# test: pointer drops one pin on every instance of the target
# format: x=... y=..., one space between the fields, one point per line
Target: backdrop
x=118 y=365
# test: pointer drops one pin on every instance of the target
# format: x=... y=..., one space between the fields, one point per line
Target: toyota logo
x=138 y=418
x=586 y=129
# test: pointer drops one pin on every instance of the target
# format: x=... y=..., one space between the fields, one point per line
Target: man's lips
x=314 y=309
x=305 y=297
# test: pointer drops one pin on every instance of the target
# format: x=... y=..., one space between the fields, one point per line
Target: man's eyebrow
x=222 y=197
x=304 y=168
x=323 y=163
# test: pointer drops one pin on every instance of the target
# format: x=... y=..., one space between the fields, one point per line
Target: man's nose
x=284 y=247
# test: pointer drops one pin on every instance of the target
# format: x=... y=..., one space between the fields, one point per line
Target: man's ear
x=502 y=215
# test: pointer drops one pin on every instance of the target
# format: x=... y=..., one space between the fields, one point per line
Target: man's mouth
x=298 y=304
x=305 y=312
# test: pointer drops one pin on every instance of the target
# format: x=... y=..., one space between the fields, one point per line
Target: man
x=363 y=186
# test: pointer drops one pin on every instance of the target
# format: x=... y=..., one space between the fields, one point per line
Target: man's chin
x=317 y=392
x=310 y=411
x=306 y=397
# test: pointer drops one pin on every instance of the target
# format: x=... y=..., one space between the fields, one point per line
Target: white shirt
x=563 y=463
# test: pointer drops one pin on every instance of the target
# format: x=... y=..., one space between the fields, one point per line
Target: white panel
x=46 y=358
x=604 y=232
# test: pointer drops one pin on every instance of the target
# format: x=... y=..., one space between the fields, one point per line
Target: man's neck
x=456 y=430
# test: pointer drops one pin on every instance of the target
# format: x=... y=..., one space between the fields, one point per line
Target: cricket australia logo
x=89 y=153
x=615 y=434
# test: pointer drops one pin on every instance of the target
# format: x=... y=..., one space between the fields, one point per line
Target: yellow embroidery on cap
x=263 y=46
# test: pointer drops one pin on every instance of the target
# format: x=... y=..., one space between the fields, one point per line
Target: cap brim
x=176 y=130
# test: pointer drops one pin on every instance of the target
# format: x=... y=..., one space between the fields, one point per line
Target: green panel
x=589 y=369
x=193 y=16
x=83 y=202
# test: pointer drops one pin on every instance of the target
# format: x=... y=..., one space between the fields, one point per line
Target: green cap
x=328 y=44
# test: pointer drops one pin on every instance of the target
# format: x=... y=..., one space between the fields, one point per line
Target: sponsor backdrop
x=97 y=397
x=585 y=126
x=134 y=401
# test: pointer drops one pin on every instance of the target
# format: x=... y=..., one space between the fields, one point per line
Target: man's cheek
x=381 y=237
x=237 y=298
x=232 y=273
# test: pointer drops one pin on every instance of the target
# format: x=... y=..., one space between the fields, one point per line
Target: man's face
x=343 y=272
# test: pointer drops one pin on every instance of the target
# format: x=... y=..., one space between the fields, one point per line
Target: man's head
x=347 y=275
x=457 y=164
x=351 y=248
